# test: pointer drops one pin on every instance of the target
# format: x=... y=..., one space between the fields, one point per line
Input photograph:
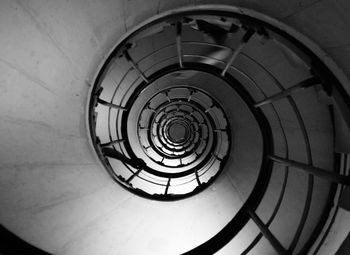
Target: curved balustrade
x=163 y=133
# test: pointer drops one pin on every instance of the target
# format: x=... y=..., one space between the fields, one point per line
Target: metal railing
x=178 y=157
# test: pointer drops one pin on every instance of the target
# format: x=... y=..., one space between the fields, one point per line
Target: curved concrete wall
x=53 y=191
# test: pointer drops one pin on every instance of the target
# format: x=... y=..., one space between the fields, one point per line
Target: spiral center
x=177 y=132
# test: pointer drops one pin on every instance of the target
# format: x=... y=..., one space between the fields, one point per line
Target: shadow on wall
x=12 y=244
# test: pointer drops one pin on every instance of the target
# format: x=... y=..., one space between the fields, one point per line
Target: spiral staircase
x=209 y=129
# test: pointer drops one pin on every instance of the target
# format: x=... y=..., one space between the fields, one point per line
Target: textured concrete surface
x=53 y=192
